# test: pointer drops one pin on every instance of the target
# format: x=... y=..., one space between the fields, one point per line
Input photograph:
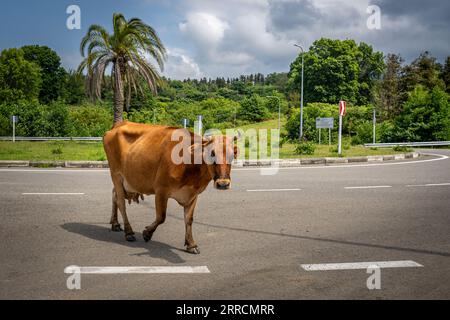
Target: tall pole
x=14 y=128
x=301 y=98
x=340 y=136
x=374 y=125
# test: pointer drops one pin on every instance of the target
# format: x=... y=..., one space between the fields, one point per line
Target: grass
x=287 y=151
x=269 y=124
x=51 y=150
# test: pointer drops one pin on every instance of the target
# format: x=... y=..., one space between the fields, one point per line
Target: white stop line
x=360 y=265
x=137 y=269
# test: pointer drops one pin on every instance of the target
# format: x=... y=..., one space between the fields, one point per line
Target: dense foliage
x=411 y=100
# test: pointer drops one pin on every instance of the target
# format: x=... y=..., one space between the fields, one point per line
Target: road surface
x=253 y=238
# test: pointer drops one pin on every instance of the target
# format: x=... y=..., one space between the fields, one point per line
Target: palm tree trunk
x=118 y=94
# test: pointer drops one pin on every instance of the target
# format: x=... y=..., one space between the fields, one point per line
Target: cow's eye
x=213 y=154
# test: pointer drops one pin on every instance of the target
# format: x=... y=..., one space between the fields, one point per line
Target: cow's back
x=137 y=152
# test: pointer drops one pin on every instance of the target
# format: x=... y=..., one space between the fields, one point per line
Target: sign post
x=342 y=109
x=198 y=126
x=329 y=136
x=324 y=123
x=14 y=119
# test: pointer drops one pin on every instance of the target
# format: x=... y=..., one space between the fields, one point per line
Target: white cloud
x=204 y=28
x=180 y=65
x=229 y=38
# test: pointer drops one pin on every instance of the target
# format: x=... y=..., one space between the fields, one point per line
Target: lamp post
x=301 y=98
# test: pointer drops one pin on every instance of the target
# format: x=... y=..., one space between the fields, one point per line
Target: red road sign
x=342 y=107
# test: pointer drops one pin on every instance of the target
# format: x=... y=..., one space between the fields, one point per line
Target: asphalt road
x=253 y=242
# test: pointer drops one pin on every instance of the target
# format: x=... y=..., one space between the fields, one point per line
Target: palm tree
x=127 y=50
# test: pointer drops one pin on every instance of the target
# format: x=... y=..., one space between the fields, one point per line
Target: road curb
x=238 y=163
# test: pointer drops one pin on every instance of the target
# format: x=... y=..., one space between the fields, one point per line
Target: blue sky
x=227 y=38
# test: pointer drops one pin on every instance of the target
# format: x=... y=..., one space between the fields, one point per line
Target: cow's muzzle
x=222 y=184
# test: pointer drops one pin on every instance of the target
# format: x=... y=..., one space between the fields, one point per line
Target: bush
x=36 y=120
x=90 y=120
x=425 y=116
x=364 y=133
x=57 y=150
x=305 y=148
x=386 y=132
x=401 y=148
x=253 y=109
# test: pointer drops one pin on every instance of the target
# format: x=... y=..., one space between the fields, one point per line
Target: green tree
x=74 y=88
x=387 y=92
x=446 y=74
x=19 y=78
x=126 y=50
x=425 y=116
x=53 y=75
x=337 y=69
x=253 y=109
x=371 y=67
x=425 y=71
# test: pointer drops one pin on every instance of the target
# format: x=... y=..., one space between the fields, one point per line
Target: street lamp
x=301 y=98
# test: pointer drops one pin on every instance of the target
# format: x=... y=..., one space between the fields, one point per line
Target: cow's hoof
x=147 y=235
x=130 y=237
x=193 y=250
x=116 y=228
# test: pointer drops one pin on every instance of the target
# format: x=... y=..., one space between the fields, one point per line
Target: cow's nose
x=222 y=184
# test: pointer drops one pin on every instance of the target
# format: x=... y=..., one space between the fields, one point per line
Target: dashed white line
x=137 y=269
x=368 y=187
x=429 y=185
x=360 y=265
x=271 y=190
x=53 y=193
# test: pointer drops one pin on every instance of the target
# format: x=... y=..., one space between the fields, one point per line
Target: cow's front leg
x=120 y=202
x=115 y=225
x=161 y=208
x=191 y=247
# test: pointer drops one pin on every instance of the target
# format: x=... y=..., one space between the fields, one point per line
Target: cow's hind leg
x=161 y=207
x=120 y=202
x=115 y=225
x=190 y=244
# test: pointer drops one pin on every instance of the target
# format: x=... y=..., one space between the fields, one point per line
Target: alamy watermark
x=374 y=20
x=374 y=280
x=74 y=19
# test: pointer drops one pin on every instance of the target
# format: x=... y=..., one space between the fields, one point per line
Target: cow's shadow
x=154 y=249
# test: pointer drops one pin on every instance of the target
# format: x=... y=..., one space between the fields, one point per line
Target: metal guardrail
x=408 y=144
x=52 y=138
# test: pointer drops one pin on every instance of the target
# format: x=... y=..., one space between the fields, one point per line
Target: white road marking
x=270 y=190
x=53 y=193
x=440 y=157
x=429 y=185
x=360 y=265
x=367 y=187
x=141 y=269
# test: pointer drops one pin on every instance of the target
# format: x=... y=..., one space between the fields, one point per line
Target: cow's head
x=219 y=153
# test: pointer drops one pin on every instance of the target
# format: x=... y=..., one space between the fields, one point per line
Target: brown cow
x=140 y=162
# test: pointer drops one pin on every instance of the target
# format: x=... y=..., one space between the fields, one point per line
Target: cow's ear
x=237 y=136
x=236 y=152
x=205 y=142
